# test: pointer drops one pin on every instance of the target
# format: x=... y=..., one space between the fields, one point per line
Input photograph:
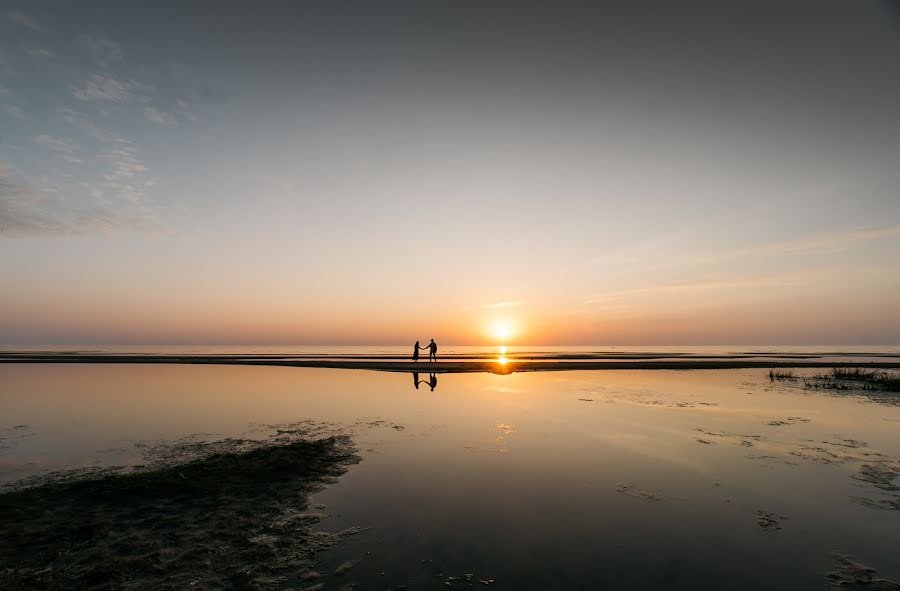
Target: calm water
x=618 y=479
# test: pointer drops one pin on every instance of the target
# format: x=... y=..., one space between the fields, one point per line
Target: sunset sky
x=379 y=172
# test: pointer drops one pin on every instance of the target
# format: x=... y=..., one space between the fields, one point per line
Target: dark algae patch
x=234 y=518
x=849 y=575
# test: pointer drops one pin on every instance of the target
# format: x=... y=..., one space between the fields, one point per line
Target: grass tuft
x=855 y=378
x=853 y=373
x=781 y=374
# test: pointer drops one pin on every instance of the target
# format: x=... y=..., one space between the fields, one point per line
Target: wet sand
x=472 y=364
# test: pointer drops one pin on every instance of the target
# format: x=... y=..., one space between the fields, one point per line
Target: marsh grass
x=854 y=378
x=853 y=373
x=781 y=374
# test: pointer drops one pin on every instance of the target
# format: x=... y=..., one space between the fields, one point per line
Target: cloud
x=38 y=52
x=85 y=124
x=61 y=145
x=816 y=244
x=27 y=210
x=160 y=117
x=5 y=92
x=101 y=87
x=124 y=160
x=14 y=111
x=20 y=215
x=688 y=287
x=22 y=19
x=24 y=209
x=128 y=178
x=183 y=108
x=106 y=51
x=500 y=305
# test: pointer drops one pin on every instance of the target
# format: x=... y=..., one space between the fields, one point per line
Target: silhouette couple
x=431 y=381
x=432 y=351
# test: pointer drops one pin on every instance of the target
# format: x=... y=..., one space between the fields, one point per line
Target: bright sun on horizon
x=502 y=331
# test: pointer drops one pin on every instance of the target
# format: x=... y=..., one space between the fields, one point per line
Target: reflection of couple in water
x=432 y=351
x=431 y=381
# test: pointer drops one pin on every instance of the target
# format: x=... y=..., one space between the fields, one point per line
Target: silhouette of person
x=432 y=381
x=416 y=380
x=432 y=351
x=416 y=348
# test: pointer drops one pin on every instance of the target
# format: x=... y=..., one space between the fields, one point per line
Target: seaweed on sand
x=848 y=575
x=228 y=520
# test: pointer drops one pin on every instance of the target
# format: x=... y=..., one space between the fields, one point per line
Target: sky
x=632 y=173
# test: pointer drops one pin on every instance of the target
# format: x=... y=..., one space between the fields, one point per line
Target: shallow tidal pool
x=579 y=480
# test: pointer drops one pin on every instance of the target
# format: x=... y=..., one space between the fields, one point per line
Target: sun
x=502 y=331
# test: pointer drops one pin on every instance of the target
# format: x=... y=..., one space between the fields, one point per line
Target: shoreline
x=556 y=363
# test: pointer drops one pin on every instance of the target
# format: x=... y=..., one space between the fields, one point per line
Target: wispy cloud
x=160 y=117
x=5 y=92
x=57 y=144
x=38 y=52
x=105 y=50
x=24 y=20
x=87 y=125
x=501 y=305
x=823 y=243
x=21 y=214
x=14 y=111
x=25 y=210
x=29 y=210
x=183 y=109
x=128 y=179
x=101 y=87
x=125 y=161
x=688 y=287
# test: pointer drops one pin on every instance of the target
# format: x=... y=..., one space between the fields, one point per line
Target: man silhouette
x=432 y=351
x=432 y=381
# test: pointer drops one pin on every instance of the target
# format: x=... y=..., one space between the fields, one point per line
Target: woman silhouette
x=416 y=348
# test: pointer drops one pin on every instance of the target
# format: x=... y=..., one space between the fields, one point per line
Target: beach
x=492 y=360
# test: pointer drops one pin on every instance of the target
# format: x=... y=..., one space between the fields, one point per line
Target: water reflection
x=503 y=366
x=610 y=477
x=431 y=381
x=501 y=355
